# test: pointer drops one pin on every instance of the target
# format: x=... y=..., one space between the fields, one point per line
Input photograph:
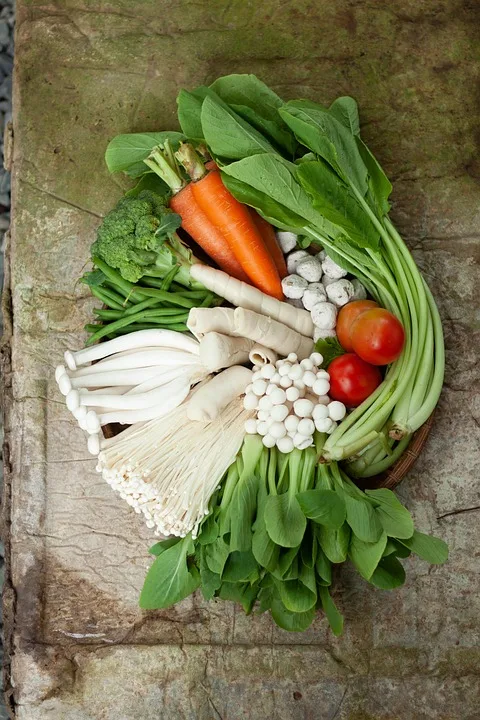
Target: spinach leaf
x=379 y=185
x=284 y=520
x=334 y=617
x=170 y=579
x=330 y=349
x=240 y=567
x=322 y=133
x=243 y=507
x=275 y=213
x=296 y=596
x=345 y=110
x=332 y=198
x=189 y=112
x=265 y=551
x=248 y=90
x=334 y=543
x=229 y=135
x=323 y=567
x=395 y=518
x=427 y=547
x=389 y=574
x=163 y=545
x=362 y=519
x=291 y=621
x=125 y=151
x=242 y=593
x=275 y=130
x=366 y=556
x=323 y=506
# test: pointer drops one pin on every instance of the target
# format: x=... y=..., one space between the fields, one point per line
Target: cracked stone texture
x=80 y=647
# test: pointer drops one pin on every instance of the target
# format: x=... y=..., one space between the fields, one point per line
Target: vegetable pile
x=268 y=340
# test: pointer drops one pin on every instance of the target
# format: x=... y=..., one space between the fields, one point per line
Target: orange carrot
x=270 y=240
x=209 y=237
x=235 y=223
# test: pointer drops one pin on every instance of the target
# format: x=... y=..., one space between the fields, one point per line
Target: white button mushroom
x=324 y=315
x=314 y=294
x=292 y=393
x=267 y=372
x=292 y=358
x=332 y=270
x=310 y=268
x=306 y=427
x=320 y=412
x=307 y=364
x=265 y=403
x=321 y=386
x=324 y=425
x=277 y=430
x=317 y=359
x=336 y=410
x=309 y=378
x=250 y=401
x=294 y=258
x=303 y=407
x=340 y=292
x=278 y=396
x=291 y=423
x=286 y=382
x=278 y=413
x=294 y=286
x=268 y=441
x=285 y=445
x=259 y=387
x=263 y=415
x=301 y=442
x=284 y=369
x=251 y=426
x=262 y=427
x=295 y=372
x=359 y=292
x=286 y=240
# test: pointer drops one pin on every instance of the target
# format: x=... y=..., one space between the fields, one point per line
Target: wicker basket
x=388 y=479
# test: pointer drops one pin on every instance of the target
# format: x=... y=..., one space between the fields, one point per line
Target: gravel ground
x=7 y=18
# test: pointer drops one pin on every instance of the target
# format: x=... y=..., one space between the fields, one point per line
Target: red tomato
x=377 y=336
x=347 y=316
x=352 y=380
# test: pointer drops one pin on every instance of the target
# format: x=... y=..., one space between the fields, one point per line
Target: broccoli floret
x=138 y=238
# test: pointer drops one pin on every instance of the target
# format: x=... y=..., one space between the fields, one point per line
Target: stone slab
x=80 y=647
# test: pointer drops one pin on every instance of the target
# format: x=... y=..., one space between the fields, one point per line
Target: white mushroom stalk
x=169 y=468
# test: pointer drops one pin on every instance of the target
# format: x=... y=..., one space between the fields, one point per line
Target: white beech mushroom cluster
x=138 y=377
x=291 y=401
x=318 y=284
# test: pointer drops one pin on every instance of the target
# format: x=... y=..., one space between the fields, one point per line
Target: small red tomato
x=347 y=316
x=377 y=336
x=352 y=380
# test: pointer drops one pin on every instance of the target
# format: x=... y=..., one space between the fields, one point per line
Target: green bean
x=172 y=298
x=103 y=295
x=209 y=298
x=121 y=297
x=168 y=279
x=148 y=303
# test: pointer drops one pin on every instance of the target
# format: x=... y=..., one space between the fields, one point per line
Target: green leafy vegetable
x=330 y=349
x=429 y=548
x=170 y=579
x=323 y=506
x=389 y=574
x=126 y=151
x=395 y=519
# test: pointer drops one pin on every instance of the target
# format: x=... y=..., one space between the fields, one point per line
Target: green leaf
x=330 y=349
x=169 y=224
x=124 y=151
x=295 y=595
x=163 y=545
x=345 y=110
x=291 y=621
x=284 y=520
x=229 y=135
x=208 y=530
x=389 y=574
x=275 y=130
x=272 y=175
x=93 y=278
x=243 y=89
x=323 y=506
x=210 y=581
x=189 y=112
x=379 y=185
x=395 y=518
x=216 y=555
x=243 y=507
x=170 y=579
x=265 y=551
x=150 y=181
x=334 y=617
x=275 y=213
x=285 y=562
x=396 y=548
x=323 y=567
x=362 y=519
x=366 y=556
x=334 y=543
x=240 y=567
x=309 y=547
x=242 y=593
x=322 y=133
x=332 y=198
x=427 y=547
